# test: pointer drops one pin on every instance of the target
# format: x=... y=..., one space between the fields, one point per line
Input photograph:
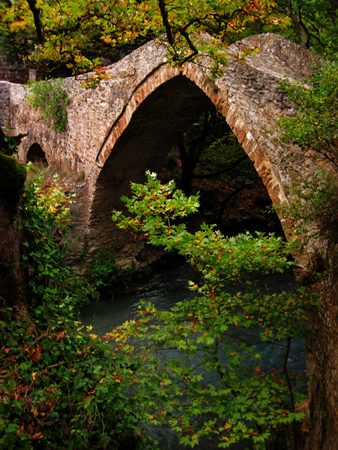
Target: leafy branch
x=251 y=399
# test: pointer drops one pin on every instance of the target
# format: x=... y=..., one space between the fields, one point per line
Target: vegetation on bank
x=61 y=387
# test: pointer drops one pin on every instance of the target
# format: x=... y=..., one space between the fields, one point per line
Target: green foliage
x=314 y=128
x=104 y=273
x=52 y=99
x=46 y=221
x=311 y=23
x=247 y=401
x=61 y=387
x=106 y=278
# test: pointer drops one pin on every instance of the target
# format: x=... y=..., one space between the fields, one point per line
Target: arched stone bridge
x=130 y=122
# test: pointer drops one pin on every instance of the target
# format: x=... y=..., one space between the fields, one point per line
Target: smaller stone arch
x=35 y=155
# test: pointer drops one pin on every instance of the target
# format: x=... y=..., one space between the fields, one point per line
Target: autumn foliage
x=75 y=32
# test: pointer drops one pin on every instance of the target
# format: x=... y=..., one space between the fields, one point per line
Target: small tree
x=248 y=400
x=315 y=130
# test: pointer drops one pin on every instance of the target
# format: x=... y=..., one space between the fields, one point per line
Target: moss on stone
x=12 y=178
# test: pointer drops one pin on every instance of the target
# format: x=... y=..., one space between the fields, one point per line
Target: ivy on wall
x=52 y=99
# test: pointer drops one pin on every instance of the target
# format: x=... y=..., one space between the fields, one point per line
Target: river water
x=165 y=288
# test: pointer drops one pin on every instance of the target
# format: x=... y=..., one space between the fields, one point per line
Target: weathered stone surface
x=17 y=72
x=14 y=72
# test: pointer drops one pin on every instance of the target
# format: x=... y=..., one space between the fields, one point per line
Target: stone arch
x=36 y=154
x=160 y=109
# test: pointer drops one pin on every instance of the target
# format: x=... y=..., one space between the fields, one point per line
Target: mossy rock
x=12 y=178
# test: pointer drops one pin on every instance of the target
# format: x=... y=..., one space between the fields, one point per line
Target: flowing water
x=165 y=289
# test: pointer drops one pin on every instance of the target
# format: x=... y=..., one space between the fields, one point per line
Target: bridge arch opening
x=36 y=155
x=153 y=129
x=210 y=160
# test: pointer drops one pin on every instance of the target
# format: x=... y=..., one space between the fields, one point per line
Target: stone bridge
x=130 y=122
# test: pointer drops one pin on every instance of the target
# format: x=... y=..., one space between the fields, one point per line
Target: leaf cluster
x=104 y=273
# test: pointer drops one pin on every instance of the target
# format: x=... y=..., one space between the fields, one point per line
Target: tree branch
x=166 y=23
x=36 y=14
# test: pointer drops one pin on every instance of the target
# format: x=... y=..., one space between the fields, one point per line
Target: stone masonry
x=128 y=124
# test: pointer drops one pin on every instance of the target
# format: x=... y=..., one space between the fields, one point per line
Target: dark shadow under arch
x=35 y=154
x=153 y=130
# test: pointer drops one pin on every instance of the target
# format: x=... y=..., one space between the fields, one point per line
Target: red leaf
x=35 y=354
x=59 y=335
x=21 y=429
x=36 y=436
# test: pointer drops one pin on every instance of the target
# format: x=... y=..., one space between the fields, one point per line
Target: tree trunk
x=12 y=277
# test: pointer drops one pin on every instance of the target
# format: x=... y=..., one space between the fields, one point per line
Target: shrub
x=61 y=387
x=52 y=99
x=104 y=273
